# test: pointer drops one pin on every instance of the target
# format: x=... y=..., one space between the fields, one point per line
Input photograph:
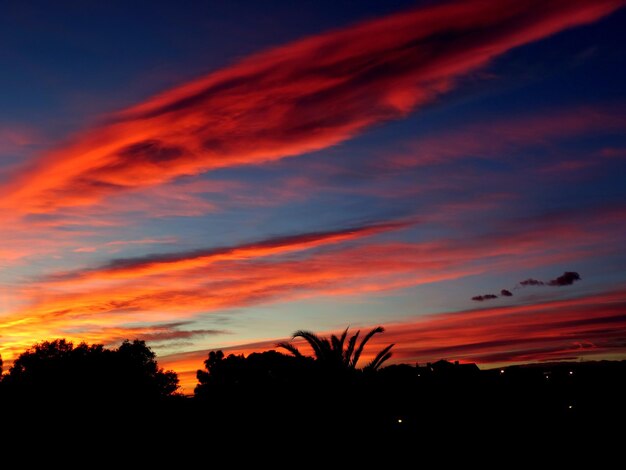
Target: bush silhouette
x=57 y=371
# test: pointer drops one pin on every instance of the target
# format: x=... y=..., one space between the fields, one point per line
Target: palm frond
x=327 y=349
x=289 y=347
x=315 y=341
x=347 y=358
x=368 y=336
x=381 y=357
x=342 y=340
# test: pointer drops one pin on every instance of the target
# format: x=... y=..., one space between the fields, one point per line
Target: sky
x=217 y=175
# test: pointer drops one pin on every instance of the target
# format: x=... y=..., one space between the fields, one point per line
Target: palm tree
x=330 y=352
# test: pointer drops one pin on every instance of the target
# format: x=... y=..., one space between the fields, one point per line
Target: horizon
x=216 y=177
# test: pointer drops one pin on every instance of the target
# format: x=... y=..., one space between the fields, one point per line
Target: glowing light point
x=400 y=420
x=502 y=371
x=571 y=372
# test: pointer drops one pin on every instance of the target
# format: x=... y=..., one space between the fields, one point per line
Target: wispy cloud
x=301 y=97
x=171 y=288
x=114 y=245
x=519 y=333
x=495 y=138
x=14 y=138
x=180 y=261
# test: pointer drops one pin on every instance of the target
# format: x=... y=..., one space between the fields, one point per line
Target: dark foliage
x=57 y=371
x=274 y=398
x=236 y=374
x=331 y=355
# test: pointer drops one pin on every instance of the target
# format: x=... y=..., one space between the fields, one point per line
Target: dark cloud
x=567 y=279
x=275 y=245
x=171 y=333
x=481 y=298
x=164 y=335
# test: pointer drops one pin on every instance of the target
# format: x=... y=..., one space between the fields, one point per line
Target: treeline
x=274 y=390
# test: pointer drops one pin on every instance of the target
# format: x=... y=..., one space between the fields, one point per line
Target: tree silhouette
x=56 y=371
x=268 y=370
x=331 y=354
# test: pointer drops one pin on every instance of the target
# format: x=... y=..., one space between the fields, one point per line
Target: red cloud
x=173 y=288
x=304 y=96
x=172 y=262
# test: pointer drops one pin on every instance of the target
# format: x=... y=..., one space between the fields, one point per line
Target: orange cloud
x=164 y=263
x=152 y=291
x=301 y=97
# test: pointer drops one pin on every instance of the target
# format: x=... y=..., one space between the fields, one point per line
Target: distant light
x=571 y=372
x=547 y=376
x=419 y=375
x=502 y=371
x=570 y=407
x=400 y=421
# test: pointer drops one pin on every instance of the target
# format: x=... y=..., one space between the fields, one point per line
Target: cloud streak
x=180 y=261
x=150 y=290
x=291 y=100
x=498 y=138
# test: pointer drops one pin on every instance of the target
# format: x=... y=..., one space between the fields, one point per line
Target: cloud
x=496 y=138
x=171 y=288
x=481 y=298
x=167 y=262
x=14 y=140
x=567 y=279
x=304 y=96
x=154 y=334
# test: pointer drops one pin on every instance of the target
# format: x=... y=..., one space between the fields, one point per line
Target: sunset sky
x=216 y=175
